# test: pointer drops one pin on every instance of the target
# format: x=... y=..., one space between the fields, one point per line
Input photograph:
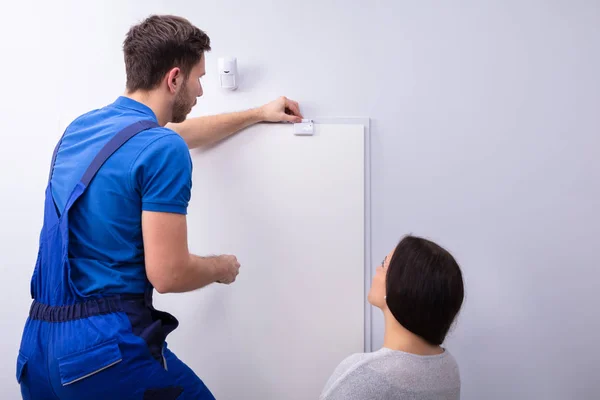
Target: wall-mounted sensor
x=228 y=74
x=304 y=128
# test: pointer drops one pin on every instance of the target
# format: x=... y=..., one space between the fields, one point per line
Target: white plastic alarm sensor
x=228 y=73
x=304 y=128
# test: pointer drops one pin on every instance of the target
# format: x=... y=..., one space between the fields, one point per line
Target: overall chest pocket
x=83 y=364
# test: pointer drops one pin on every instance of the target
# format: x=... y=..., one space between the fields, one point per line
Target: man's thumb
x=291 y=118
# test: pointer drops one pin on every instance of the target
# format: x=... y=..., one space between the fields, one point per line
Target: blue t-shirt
x=152 y=172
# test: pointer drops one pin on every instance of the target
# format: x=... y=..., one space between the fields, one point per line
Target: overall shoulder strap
x=113 y=145
x=104 y=154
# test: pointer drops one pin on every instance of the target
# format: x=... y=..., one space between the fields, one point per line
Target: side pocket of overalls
x=155 y=333
x=21 y=371
x=88 y=362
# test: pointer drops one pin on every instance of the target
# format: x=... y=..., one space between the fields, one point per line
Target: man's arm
x=169 y=265
x=203 y=131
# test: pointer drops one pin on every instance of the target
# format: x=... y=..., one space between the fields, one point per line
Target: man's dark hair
x=424 y=288
x=158 y=44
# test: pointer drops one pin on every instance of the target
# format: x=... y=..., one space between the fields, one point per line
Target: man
x=115 y=228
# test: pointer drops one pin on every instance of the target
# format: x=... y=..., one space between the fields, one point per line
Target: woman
x=419 y=288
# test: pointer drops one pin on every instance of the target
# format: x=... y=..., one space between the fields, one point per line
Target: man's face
x=191 y=89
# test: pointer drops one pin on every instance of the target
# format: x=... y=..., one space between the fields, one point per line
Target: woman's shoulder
x=403 y=362
x=348 y=364
x=438 y=373
x=361 y=359
x=391 y=371
x=347 y=368
x=353 y=359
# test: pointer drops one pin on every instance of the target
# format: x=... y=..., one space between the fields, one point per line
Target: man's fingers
x=232 y=266
x=293 y=107
x=297 y=109
x=291 y=118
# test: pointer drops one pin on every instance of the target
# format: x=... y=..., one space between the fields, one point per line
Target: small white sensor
x=228 y=74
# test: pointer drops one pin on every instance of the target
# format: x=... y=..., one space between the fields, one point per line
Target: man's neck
x=397 y=337
x=153 y=101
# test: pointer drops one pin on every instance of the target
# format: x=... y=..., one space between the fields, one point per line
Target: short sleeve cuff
x=162 y=207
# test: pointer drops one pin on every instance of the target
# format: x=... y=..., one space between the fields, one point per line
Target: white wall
x=485 y=128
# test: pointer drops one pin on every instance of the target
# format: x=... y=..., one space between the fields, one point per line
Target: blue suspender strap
x=109 y=148
x=113 y=145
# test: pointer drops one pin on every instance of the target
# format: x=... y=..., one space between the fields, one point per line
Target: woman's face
x=377 y=293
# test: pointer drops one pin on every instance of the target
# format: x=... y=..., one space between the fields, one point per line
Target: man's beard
x=181 y=107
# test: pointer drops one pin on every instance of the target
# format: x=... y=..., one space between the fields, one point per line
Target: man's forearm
x=203 y=131
x=204 y=270
x=198 y=273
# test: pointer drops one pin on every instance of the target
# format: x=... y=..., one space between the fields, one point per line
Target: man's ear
x=174 y=80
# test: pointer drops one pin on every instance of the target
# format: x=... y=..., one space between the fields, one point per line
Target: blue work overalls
x=95 y=348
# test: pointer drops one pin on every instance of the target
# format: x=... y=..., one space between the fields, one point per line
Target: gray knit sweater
x=394 y=375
